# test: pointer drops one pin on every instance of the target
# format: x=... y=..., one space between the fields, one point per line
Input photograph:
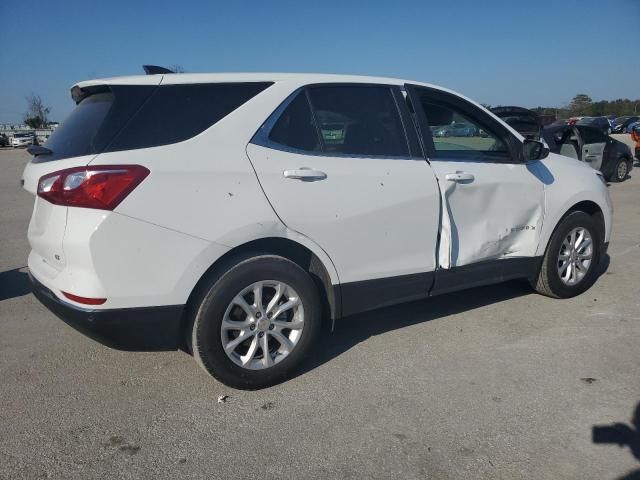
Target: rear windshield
x=77 y=135
x=132 y=117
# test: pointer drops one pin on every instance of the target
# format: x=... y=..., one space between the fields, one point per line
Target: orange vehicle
x=635 y=136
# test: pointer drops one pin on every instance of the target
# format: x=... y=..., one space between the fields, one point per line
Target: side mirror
x=534 y=150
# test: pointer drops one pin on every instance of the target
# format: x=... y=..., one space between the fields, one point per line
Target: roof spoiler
x=155 y=70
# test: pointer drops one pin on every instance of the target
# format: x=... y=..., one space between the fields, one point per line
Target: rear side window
x=176 y=113
x=131 y=117
x=359 y=120
x=295 y=127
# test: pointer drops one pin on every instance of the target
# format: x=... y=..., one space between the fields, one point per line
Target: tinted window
x=176 y=113
x=359 y=120
x=591 y=135
x=75 y=137
x=295 y=127
x=134 y=116
x=455 y=133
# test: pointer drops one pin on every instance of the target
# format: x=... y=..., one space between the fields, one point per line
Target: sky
x=526 y=53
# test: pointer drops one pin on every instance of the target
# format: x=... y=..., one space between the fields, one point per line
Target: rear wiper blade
x=36 y=150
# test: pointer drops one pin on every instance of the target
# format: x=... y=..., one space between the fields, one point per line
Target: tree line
x=37 y=115
x=582 y=105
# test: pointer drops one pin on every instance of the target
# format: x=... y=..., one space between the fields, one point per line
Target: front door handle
x=305 y=174
x=459 y=177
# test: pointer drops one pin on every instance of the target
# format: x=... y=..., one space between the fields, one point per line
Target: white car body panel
x=497 y=215
x=203 y=198
x=579 y=183
x=387 y=207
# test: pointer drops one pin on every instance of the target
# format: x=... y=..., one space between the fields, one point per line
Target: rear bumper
x=133 y=329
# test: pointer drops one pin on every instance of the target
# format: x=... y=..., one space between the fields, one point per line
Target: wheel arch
x=294 y=251
x=587 y=206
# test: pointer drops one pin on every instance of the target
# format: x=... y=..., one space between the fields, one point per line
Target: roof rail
x=155 y=70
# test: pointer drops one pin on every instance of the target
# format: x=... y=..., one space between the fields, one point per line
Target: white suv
x=233 y=213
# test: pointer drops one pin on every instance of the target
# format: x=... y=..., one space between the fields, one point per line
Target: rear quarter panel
x=206 y=188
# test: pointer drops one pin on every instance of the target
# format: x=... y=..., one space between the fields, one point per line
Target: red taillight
x=85 y=300
x=100 y=186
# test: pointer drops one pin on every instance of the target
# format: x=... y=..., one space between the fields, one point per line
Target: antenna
x=155 y=70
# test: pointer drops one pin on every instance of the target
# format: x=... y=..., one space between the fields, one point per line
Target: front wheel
x=257 y=322
x=570 y=264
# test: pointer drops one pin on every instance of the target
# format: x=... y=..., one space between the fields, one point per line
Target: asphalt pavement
x=491 y=383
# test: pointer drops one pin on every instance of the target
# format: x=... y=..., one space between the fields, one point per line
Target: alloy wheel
x=262 y=324
x=622 y=170
x=575 y=256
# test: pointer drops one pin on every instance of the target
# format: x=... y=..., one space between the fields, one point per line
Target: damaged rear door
x=492 y=202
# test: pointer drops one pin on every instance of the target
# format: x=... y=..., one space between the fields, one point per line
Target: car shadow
x=623 y=435
x=14 y=283
x=350 y=331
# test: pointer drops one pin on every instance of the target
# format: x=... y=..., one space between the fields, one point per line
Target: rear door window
x=359 y=120
x=295 y=128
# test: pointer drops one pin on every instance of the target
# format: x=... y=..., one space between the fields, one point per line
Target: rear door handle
x=459 y=177
x=305 y=174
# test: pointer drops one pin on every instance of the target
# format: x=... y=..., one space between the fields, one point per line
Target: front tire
x=570 y=264
x=270 y=302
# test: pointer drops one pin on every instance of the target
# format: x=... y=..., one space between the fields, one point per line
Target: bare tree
x=37 y=115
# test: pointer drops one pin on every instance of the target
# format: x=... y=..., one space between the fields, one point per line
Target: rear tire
x=240 y=303
x=620 y=171
x=557 y=280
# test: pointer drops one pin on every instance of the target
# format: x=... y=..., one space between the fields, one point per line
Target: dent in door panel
x=507 y=229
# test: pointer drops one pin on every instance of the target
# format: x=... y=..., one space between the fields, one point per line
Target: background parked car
x=622 y=124
x=601 y=123
x=456 y=129
x=23 y=140
x=524 y=121
x=588 y=144
x=4 y=141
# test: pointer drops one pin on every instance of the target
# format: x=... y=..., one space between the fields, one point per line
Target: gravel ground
x=495 y=382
